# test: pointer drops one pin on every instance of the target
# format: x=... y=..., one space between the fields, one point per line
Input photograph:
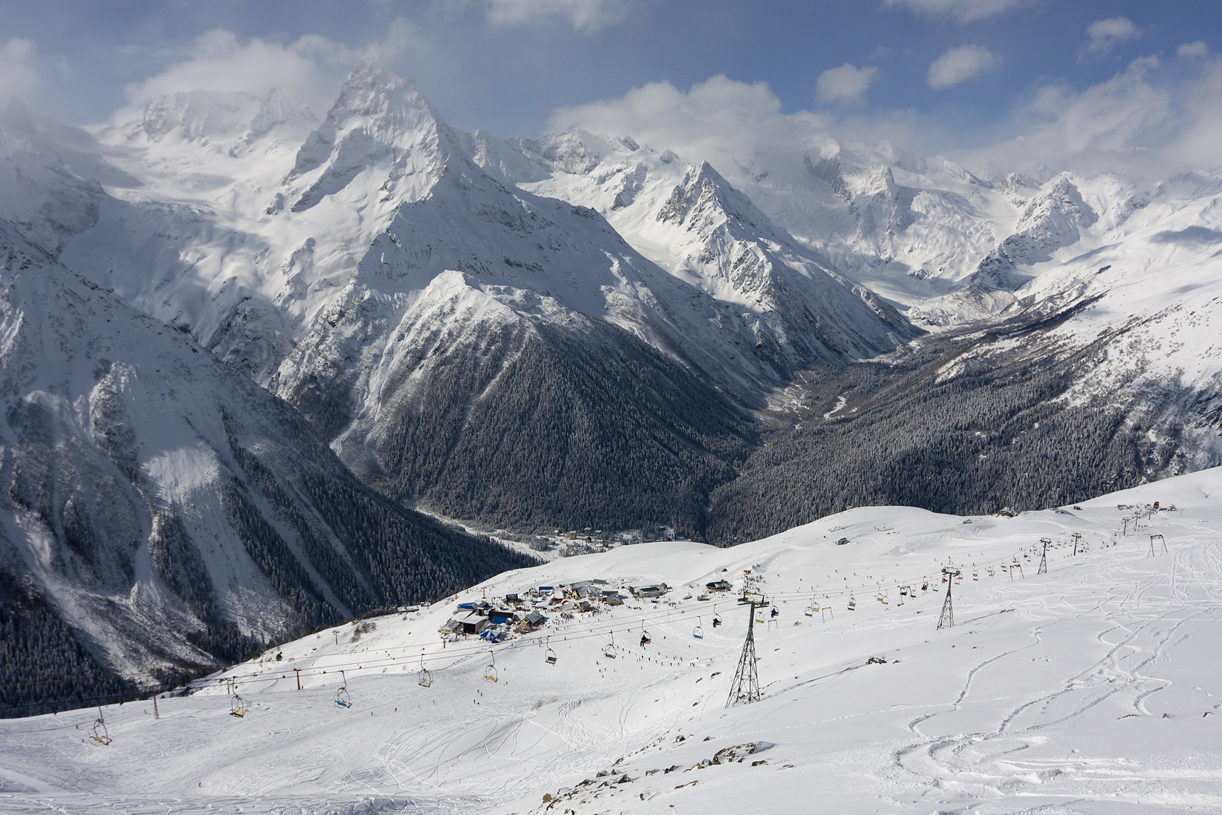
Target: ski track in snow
x=1091 y=689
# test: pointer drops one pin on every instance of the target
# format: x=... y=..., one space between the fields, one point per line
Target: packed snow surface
x=1092 y=688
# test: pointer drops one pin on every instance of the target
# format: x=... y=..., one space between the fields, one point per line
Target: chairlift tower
x=1043 y=569
x=746 y=685
x=947 y=620
x=1077 y=539
x=1161 y=540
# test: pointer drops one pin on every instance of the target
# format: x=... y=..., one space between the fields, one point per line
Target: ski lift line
x=453 y=655
x=458 y=654
x=842 y=591
x=587 y=631
x=583 y=631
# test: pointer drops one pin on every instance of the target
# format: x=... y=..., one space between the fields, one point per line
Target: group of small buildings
x=523 y=613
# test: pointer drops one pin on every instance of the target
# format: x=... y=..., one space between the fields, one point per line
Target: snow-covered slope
x=451 y=310
x=352 y=269
x=905 y=226
x=247 y=238
x=1094 y=269
x=39 y=192
x=167 y=509
x=1132 y=281
x=1091 y=688
x=689 y=220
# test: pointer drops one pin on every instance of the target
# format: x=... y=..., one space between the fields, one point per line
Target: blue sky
x=935 y=74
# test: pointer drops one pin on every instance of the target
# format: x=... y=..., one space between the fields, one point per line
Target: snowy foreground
x=1095 y=688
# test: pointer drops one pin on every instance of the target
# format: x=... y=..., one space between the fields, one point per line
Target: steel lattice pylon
x=746 y=686
x=947 y=620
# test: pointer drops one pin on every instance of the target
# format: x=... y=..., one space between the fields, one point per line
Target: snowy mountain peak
x=1060 y=210
x=1053 y=219
x=16 y=117
x=705 y=200
x=380 y=125
x=572 y=151
x=226 y=122
x=40 y=192
x=375 y=93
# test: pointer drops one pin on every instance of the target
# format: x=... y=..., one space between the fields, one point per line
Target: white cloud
x=1104 y=35
x=961 y=64
x=846 y=84
x=1146 y=121
x=216 y=61
x=584 y=15
x=19 y=69
x=727 y=123
x=739 y=128
x=309 y=69
x=1137 y=123
x=961 y=10
x=1193 y=50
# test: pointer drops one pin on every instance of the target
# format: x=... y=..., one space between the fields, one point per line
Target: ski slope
x=1092 y=688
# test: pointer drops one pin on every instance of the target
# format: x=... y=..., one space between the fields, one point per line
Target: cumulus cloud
x=1104 y=35
x=961 y=10
x=847 y=84
x=1193 y=50
x=584 y=15
x=961 y=64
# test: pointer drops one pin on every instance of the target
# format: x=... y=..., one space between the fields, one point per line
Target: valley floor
x=1093 y=688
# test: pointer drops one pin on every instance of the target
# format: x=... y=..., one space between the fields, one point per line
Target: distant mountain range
x=241 y=345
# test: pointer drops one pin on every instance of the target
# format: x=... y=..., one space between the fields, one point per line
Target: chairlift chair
x=609 y=651
x=716 y=619
x=99 y=730
x=237 y=707
x=852 y=603
x=341 y=696
x=698 y=631
x=426 y=678
x=490 y=671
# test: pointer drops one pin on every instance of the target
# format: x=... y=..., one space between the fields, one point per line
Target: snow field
x=1093 y=688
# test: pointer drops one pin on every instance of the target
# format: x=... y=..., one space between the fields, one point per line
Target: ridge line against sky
x=1091 y=82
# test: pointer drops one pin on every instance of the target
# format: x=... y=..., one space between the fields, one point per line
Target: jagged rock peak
x=571 y=151
x=16 y=117
x=378 y=117
x=1062 y=202
x=374 y=92
x=706 y=191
